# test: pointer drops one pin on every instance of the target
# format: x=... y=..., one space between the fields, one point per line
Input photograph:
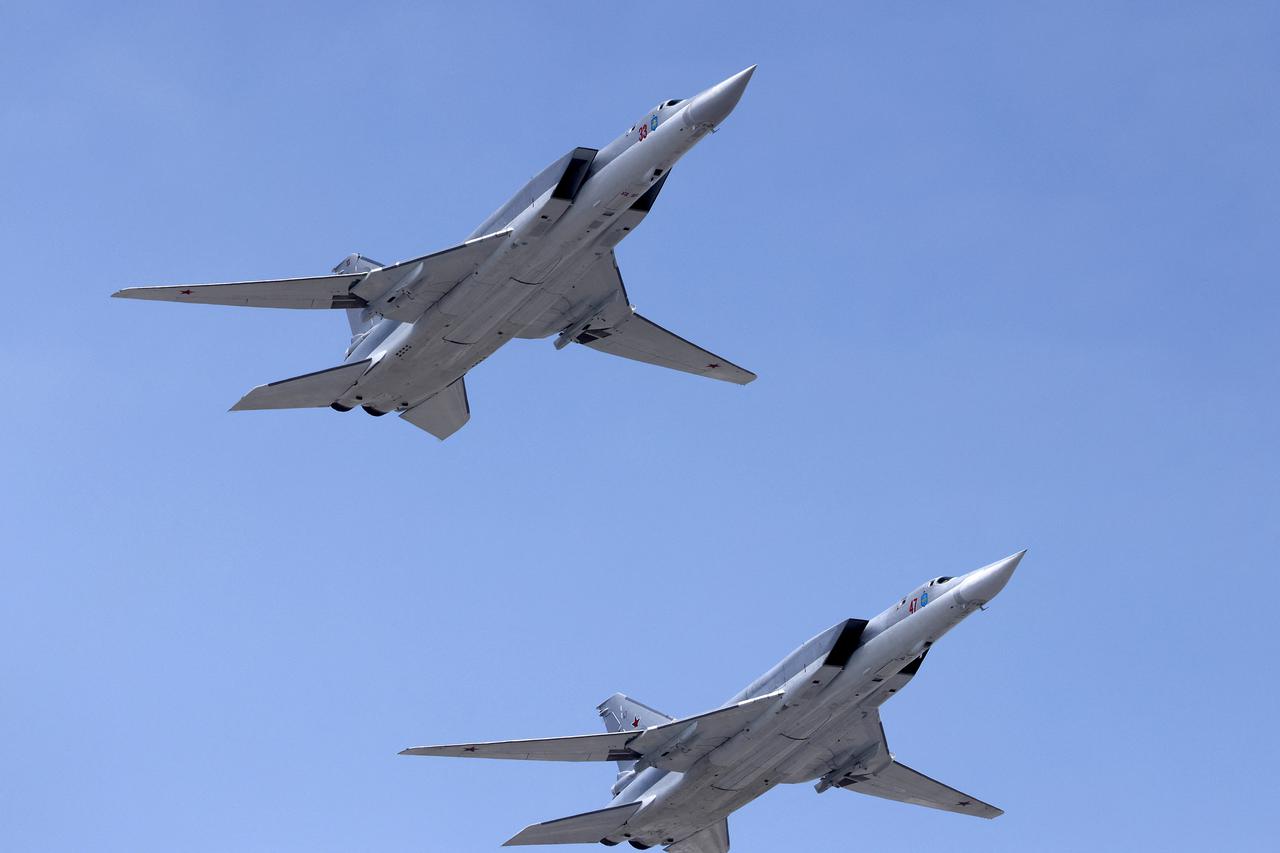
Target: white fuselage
x=799 y=739
x=529 y=287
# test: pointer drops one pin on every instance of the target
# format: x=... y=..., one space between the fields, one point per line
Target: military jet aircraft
x=541 y=265
x=815 y=716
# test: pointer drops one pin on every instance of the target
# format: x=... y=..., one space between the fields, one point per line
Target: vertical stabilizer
x=361 y=319
x=620 y=712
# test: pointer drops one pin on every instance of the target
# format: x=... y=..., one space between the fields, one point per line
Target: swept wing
x=899 y=782
x=321 y=291
x=872 y=770
x=630 y=335
x=401 y=291
x=671 y=746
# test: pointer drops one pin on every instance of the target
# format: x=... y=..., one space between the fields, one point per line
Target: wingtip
x=244 y=404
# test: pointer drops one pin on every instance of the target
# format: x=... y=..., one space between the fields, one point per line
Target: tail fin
x=620 y=712
x=361 y=319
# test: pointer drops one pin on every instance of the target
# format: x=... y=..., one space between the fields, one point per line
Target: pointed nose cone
x=714 y=105
x=984 y=584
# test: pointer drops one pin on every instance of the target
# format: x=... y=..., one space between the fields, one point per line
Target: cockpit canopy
x=656 y=116
x=920 y=595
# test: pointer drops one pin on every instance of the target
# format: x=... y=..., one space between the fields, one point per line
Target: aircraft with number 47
x=542 y=264
x=814 y=717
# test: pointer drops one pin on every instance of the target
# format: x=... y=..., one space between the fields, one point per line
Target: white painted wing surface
x=616 y=329
x=641 y=339
x=899 y=782
x=673 y=746
x=317 y=389
x=401 y=291
x=678 y=745
x=321 y=291
x=601 y=747
x=404 y=291
x=586 y=828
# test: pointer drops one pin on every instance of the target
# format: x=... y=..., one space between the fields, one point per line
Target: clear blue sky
x=1007 y=272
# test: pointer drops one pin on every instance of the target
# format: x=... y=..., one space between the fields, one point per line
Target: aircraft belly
x=756 y=765
x=530 y=294
x=395 y=383
x=805 y=726
x=563 y=299
x=570 y=296
x=544 y=315
x=811 y=761
x=542 y=270
x=686 y=809
x=482 y=309
x=458 y=332
x=419 y=367
x=552 y=264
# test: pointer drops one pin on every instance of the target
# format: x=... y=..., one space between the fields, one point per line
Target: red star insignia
x=712 y=366
x=635 y=723
x=185 y=292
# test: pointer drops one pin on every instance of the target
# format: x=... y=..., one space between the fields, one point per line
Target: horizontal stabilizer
x=321 y=388
x=444 y=413
x=640 y=339
x=587 y=828
x=899 y=782
x=671 y=746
